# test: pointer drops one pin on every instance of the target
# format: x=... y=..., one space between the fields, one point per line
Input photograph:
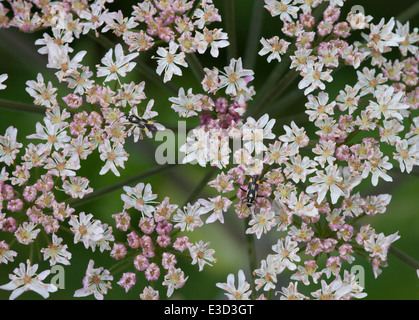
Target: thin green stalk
x=275 y=93
x=21 y=107
x=273 y=78
x=403 y=257
x=231 y=28
x=255 y=26
x=409 y=13
x=106 y=190
x=128 y=259
x=251 y=251
x=195 y=64
x=101 y=40
x=151 y=75
x=128 y=264
x=194 y=195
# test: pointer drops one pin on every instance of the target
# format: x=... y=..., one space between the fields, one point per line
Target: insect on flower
x=252 y=190
x=141 y=123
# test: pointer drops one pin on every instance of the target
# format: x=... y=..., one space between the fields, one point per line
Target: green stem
x=151 y=75
x=409 y=13
x=128 y=264
x=101 y=40
x=231 y=28
x=127 y=259
x=200 y=186
x=254 y=35
x=196 y=66
x=104 y=191
x=275 y=92
x=21 y=107
x=403 y=257
x=273 y=78
x=251 y=251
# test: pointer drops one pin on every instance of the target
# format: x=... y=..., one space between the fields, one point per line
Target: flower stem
x=21 y=107
x=275 y=92
x=409 y=13
x=104 y=191
x=251 y=251
x=254 y=35
x=196 y=66
x=231 y=28
x=200 y=186
x=403 y=257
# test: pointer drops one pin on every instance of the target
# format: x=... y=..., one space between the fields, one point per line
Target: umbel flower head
x=291 y=154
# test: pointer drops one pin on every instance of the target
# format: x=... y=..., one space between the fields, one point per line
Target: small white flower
x=86 y=229
x=56 y=252
x=96 y=282
x=286 y=252
x=275 y=47
x=197 y=147
x=378 y=166
x=313 y=77
x=201 y=254
x=119 y=68
x=214 y=39
x=408 y=40
x=27 y=232
x=53 y=133
x=189 y=218
x=168 y=60
x=217 y=206
x=6 y=254
x=324 y=182
x=283 y=9
x=318 y=107
x=296 y=137
x=291 y=293
x=333 y=291
x=261 y=222
x=299 y=168
x=9 y=147
x=254 y=132
x=381 y=36
x=235 y=78
x=241 y=292
x=267 y=274
x=58 y=58
x=389 y=104
x=186 y=105
x=407 y=156
x=114 y=155
x=141 y=198
x=25 y=279
x=174 y=279
x=77 y=187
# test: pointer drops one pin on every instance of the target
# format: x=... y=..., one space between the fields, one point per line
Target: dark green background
x=20 y=60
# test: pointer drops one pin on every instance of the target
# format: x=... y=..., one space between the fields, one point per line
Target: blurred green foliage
x=20 y=60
